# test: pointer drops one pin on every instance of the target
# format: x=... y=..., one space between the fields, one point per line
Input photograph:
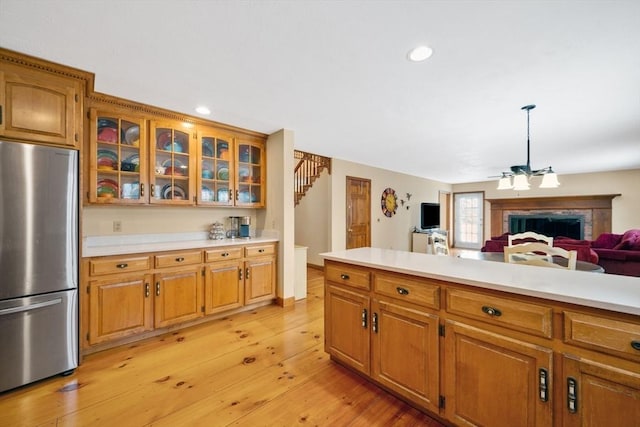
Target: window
x=468 y=213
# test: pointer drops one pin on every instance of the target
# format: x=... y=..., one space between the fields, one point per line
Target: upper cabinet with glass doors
x=117 y=159
x=172 y=159
x=216 y=168
x=250 y=173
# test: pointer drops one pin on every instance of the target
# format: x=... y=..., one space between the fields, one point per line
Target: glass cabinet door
x=117 y=167
x=172 y=158
x=250 y=174
x=215 y=168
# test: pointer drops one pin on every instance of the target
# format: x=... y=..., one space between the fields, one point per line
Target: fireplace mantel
x=598 y=205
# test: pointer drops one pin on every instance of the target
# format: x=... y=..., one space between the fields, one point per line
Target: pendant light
x=521 y=174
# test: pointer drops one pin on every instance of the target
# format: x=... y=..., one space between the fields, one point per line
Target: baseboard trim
x=285 y=302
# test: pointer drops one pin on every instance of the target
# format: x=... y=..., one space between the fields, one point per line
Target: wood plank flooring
x=266 y=367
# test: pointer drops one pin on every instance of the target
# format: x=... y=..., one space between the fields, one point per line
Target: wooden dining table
x=499 y=257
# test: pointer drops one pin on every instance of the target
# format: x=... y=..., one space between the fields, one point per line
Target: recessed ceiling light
x=420 y=53
x=203 y=110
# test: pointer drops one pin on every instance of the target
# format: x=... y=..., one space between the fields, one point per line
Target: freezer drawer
x=39 y=336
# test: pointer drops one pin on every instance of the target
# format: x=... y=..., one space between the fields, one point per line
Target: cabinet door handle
x=402 y=291
x=491 y=311
x=260 y=250
x=635 y=345
x=142 y=190
x=246 y=274
x=225 y=254
x=364 y=318
x=374 y=323
x=231 y=194
x=123 y=265
x=543 y=384
x=158 y=289
x=153 y=190
x=146 y=290
x=237 y=195
x=179 y=259
x=344 y=276
x=240 y=273
x=572 y=395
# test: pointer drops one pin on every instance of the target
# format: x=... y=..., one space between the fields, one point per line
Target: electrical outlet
x=117 y=226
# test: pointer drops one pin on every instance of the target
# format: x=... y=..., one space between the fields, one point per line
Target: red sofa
x=619 y=253
x=583 y=247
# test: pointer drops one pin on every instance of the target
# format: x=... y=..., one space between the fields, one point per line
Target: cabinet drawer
x=348 y=275
x=423 y=292
x=616 y=337
x=259 y=250
x=222 y=254
x=532 y=318
x=178 y=258
x=102 y=266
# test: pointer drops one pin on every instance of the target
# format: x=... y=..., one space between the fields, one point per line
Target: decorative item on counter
x=217 y=231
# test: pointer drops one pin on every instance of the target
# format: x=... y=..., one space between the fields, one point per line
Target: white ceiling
x=336 y=73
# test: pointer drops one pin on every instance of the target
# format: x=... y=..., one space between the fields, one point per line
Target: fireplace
x=595 y=209
x=550 y=225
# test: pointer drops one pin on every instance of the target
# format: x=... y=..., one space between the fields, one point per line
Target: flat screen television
x=429 y=215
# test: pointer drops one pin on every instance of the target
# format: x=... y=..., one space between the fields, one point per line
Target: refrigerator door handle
x=30 y=307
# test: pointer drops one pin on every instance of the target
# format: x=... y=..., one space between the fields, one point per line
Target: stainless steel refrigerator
x=38 y=262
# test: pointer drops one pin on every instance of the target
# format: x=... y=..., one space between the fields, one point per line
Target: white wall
x=388 y=233
x=313 y=219
x=98 y=220
x=625 y=208
x=278 y=217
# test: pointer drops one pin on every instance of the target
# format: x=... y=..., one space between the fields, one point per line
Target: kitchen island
x=484 y=343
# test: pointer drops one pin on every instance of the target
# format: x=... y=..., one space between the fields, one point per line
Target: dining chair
x=541 y=254
x=439 y=243
x=532 y=235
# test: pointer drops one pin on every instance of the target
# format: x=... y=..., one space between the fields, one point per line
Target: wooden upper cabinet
x=173 y=161
x=40 y=106
x=118 y=165
x=215 y=168
x=250 y=173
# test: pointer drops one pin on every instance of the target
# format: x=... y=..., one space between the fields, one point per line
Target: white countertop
x=138 y=243
x=606 y=291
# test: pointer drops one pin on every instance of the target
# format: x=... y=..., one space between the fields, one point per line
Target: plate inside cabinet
x=173 y=192
x=223 y=174
x=132 y=136
x=223 y=195
x=207 y=194
x=107 y=188
x=107 y=159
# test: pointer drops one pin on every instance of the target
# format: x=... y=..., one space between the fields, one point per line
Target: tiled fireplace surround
x=596 y=211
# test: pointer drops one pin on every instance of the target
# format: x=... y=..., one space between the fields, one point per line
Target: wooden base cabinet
x=223 y=287
x=119 y=306
x=599 y=395
x=405 y=352
x=139 y=294
x=178 y=297
x=259 y=273
x=494 y=380
x=347 y=327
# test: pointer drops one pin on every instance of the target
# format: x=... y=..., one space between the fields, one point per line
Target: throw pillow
x=607 y=241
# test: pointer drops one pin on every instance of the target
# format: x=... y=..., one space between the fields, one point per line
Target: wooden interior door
x=358 y=212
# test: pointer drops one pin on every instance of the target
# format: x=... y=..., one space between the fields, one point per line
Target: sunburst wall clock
x=389 y=202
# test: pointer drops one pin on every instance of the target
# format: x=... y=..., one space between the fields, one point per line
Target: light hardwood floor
x=266 y=367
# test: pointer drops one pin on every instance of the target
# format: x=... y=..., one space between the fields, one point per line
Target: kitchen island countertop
x=598 y=290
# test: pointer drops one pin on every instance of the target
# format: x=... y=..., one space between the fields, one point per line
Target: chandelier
x=522 y=173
